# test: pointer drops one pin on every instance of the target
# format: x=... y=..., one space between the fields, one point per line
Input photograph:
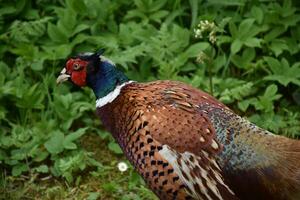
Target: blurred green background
x=52 y=146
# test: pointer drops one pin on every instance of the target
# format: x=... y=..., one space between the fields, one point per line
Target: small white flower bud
x=122 y=166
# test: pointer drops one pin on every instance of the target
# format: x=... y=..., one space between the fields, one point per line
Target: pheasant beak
x=63 y=76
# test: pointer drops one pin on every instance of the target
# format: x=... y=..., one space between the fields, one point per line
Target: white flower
x=207 y=27
x=122 y=166
x=198 y=33
x=202 y=57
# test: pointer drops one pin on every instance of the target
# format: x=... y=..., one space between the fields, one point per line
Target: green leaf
x=195 y=49
x=67 y=22
x=236 y=93
x=37 y=65
x=157 y=16
x=257 y=13
x=265 y=101
x=268 y=120
x=194 y=9
x=77 y=5
x=56 y=34
x=55 y=144
x=244 y=61
x=274 y=33
x=31 y=97
x=42 y=169
x=219 y=63
x=252 y=42
x=110 y=187
x=236 y=46
x=69 y=139
x=157 y=5
x=245 y=28
x=18 y=169
x=42 y=155
x=278 y=46
x=114 y=147
x=282 y=72
x=274 y=64
x=93 y=196
x=79 y=28
x=243 y=105
x=271 y=91
x=233 y=29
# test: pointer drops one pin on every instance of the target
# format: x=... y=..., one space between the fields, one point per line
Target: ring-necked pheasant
x=185 y=143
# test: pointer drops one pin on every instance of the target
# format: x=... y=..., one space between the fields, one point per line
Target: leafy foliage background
x=253 y=67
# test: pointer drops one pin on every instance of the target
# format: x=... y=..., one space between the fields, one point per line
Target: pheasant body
x=143 y=126
x=186 y=144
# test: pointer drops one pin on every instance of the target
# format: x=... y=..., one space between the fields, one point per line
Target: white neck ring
x=111 y=96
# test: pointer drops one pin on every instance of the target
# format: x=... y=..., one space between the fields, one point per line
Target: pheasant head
x=92 y=70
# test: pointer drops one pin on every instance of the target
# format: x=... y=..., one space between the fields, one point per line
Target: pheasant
x=184 y=142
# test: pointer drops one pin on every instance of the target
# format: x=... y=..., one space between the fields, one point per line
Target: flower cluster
x=202 y=57
x=205 y=26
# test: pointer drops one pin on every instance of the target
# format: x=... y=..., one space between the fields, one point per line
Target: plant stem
x=210 y=77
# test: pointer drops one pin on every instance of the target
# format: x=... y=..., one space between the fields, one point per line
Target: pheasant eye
x=76 y=67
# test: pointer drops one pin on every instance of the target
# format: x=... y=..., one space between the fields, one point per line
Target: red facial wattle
x=78 y=76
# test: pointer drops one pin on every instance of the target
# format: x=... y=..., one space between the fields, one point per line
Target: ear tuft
x=91 y=56
x=100 y=52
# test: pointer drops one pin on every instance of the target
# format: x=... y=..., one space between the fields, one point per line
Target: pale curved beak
x=63 y=76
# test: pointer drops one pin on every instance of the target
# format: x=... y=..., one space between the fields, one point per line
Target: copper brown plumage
x=187 y=145
x=146 y=122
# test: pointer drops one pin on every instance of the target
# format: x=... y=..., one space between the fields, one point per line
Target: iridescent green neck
x=105 y=79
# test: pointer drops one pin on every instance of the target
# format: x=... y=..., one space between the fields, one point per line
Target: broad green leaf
x=274 y=33
x=219 y=62
x=77 y=5
x=282 y=72
x=257 y=13
x=194 y=9
x=114 y=147
x=42 y=155
x=224 y=39
x=270 y=91
x=157 y=16
x=252 y=42
x=93 y=196
x=265 y=101
x=278 y=46
x=228 y=2
x=195 y=49
x=37 y=65
x=111 y=187
x=157 y=5
x=69 y=139
x=42 y=169
x=243 y=105
x=233 y=30
x=79 y=28
x=67 y=22
x=274 y=64
x=18 y=169
x=236 y=93
x=55 y=144
x=245 y=28
x=56 y=34
x=269 y=120
x=244 y=61
x=236 y=46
